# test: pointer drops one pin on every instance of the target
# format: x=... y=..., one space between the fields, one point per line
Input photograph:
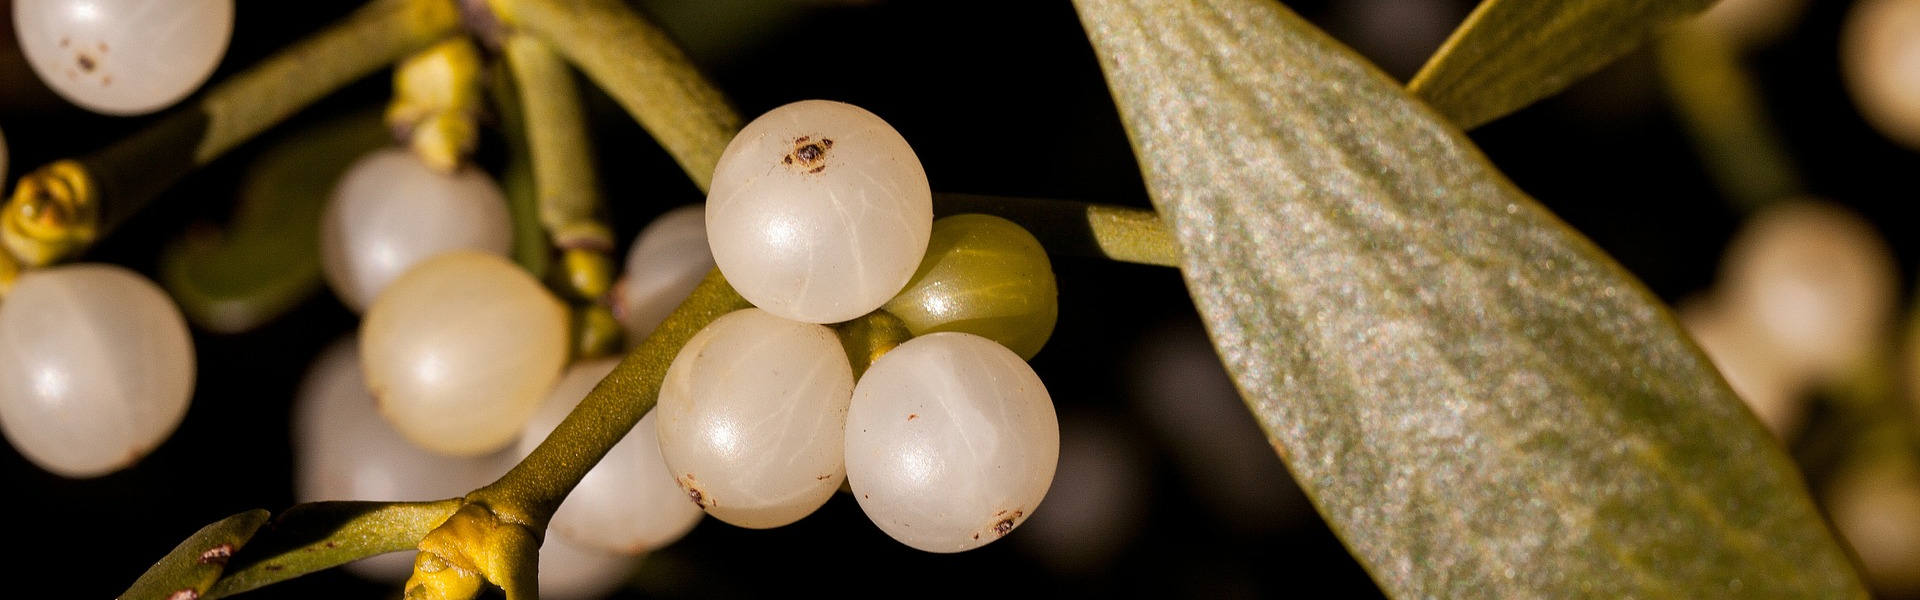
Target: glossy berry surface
x=123 y=57
x=986 y=276
x=751 y=417
x=951 y=442
x=819 y=212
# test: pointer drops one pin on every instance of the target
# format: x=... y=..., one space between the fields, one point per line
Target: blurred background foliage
x=1165 y=483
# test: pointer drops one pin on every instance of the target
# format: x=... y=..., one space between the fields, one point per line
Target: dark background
x=1175 y=492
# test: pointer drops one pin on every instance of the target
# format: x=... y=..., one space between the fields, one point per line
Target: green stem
x=530 y=492
x=866 y=338
x=530 y=248
x=568 y=189
x=1134 y=235
x=642 y=69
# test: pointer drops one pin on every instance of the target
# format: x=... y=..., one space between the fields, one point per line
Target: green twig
x=641 y=68
x=563 y=169
x=530 y=248
x=322 y=535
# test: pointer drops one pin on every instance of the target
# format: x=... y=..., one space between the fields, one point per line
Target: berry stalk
x=566 y=187
x=635 y=62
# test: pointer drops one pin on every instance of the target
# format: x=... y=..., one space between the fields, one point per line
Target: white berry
x=628 y=503
x=1880 y=56
x=570 y=571
x=751 y=417
x=96 y=368
x=344 y=450
x=667 y=261
x=460 y=351
x=123 y=57
x=390 y=211
x=819 y=212
x=1816 y=281
x=951 y=442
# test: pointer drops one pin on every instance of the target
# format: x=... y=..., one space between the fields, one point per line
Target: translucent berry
x=390 y=211
x=986 y=276
x=666 y=262
x=951 y=442
x=123 y=57
x=751 y=417
x=460 y=351
x=819 y=212
x=96 y=368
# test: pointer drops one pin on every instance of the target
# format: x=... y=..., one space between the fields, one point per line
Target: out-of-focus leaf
x=1480 y=402
x=187 y=571
x=1718 y=101
x=1511 y=53
x=322 y=535
x=268 y=260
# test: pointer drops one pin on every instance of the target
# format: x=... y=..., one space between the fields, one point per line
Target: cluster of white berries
x=820 y=213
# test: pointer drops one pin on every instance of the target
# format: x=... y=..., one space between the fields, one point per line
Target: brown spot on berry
x=186 y=594
x=1006 y=525
x=807 y=154
x=693 y=492
x=912 y=416
x=86 y=62
x=217 y=555
x=103 y=47
x=64 y=42
x=332 y=544
x=822 y=477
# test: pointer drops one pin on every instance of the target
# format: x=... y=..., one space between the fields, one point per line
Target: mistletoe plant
x=1478 y=400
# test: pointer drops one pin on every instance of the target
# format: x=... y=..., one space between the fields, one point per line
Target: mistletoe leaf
x=1512 y=53
x=1477 y=399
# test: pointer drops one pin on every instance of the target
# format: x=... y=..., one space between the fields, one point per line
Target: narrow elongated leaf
x=268 y=260
x=1511 y=53
x=1480 y=402
x=323 y=535
x=187 y=571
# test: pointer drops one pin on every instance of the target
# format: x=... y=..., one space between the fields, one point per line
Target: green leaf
x=1479 y=401
x=187 y=571
x=268 y=260
x=322 y=535
x=1718 y=101
x=1511 y=53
